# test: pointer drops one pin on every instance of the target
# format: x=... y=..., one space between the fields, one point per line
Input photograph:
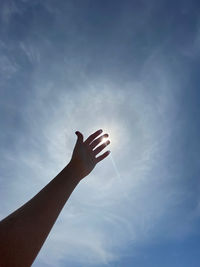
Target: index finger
x=92 y=137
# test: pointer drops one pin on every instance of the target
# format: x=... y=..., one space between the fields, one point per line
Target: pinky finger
x=103 y=156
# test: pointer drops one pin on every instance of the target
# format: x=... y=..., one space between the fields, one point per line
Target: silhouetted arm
x=23 y=232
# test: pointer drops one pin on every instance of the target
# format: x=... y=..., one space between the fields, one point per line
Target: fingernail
x=100 y=131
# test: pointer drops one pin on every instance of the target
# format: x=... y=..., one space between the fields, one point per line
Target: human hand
x=84 y=155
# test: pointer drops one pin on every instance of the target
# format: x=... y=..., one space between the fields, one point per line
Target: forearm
x=24 y=231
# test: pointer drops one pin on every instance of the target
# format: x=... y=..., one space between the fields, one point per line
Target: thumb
x=79 y=137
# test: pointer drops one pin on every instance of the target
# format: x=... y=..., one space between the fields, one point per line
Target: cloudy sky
x=132 y=69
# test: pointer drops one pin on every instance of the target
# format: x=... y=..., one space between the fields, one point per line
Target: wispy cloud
x=117 y=209
x=134 y=196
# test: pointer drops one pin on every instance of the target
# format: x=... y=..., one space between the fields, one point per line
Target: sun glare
x=112 y=132
x=104 y=139
x=115 y=134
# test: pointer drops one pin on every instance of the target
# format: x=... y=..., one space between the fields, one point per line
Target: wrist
x=73 y=172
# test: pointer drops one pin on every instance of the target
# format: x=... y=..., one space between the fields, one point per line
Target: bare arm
x=23 y=232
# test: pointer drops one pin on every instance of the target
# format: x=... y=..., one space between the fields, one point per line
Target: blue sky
x=132 y=69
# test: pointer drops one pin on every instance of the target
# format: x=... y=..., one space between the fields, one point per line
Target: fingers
x=92 y=137
x=79 y=137
x=103 y=156
x=101 y=147
x=98 y=141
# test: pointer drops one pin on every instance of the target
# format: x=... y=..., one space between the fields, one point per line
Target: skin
x=23 y=232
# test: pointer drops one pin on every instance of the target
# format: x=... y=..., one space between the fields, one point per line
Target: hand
x=84 y=155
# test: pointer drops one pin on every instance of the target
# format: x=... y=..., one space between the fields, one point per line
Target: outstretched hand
x=84 y=157
x=20 y=249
